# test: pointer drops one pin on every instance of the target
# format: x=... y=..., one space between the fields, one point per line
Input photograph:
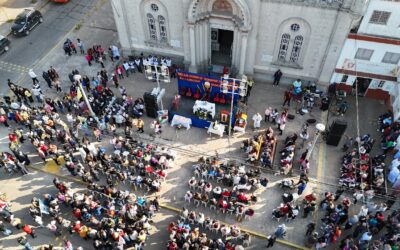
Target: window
x=285 y=40
x=163 y=29
x=152 y=27
x=364 y=54
x=392 y=58
x=295 y=27
x=344 y=78
x=379 y=17
x=381 y=83
x=154 y=7
x=294 y=56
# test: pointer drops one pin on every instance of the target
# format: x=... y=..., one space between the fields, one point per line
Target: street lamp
x=158 y=73
x=78 y=79
x=230 y=85
x=320 y=128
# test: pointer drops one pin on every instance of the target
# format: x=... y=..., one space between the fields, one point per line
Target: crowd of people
x=190 y=232
x=225 y=188
x=61 y=128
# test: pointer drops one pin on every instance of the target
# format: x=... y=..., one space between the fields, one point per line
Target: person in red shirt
x=28 y=230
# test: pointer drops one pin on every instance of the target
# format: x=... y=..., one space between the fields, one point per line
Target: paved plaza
x=189 y=145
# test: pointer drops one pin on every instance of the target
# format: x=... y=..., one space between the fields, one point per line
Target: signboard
x=370 y=67
x=196 y=83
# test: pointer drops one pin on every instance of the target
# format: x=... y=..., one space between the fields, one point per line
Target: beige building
x=303 y=38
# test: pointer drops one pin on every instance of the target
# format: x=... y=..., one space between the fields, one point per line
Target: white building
x=256 y=37
x=371 y=55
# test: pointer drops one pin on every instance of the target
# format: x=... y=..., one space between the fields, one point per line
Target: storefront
x=373 y=80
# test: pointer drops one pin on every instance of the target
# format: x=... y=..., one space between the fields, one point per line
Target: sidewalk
x=9 y=10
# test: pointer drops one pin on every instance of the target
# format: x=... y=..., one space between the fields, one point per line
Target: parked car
x=60 y=1
x=26 y=21
x=4 y=44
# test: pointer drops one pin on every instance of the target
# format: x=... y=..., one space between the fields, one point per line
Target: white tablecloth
x=209 y=106
x=239 y=129
x=219 y=129
x=181 y=120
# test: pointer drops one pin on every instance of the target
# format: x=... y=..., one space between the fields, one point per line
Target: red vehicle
x=60 y=1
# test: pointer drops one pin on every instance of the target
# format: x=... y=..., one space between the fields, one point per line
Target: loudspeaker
x=151 y=112
x=148 y=97
x=333 y=139
x=338 y=127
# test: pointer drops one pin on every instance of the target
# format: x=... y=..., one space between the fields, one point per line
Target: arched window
x=294 y=56
x=163 y=29
x=283 y=48
x=152 y=27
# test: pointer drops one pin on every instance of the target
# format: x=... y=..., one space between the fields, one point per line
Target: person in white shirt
x=126 y=68
x=257 y=118
x=268 y=112
x=33 y=76
x=168 y=62
x=138 y=66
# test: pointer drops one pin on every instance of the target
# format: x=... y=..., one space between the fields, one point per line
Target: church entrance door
x=221 y=47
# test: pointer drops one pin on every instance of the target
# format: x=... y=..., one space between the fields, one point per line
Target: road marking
x=14 y=68
x=52 y=167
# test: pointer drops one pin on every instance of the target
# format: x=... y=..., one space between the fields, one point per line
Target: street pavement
x=26 y=52
x=99 y=28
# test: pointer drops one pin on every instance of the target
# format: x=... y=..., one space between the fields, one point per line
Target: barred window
x=298 y=42
x=283 y=48
x=163 y=29
x=380 y=17
x=364 y=54
x=392 y=58
x=152 y=27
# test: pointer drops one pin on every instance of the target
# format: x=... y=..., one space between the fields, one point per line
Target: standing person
x=250 y=84
x=277 y=77
x=271 y=240
x=37 y=92
x=287 y=96
x=257 y=118
x=28 y=94
x=80 y=46
x=140 y=125
x=57 y=84
x=310 y=228
x=126 y=68
x=119 y=71
x=101 y=62
x=281 y=127
x=304 y=137
x=115 y=80
x=88 y=58
x=33 y=76
x=157 y=128
x=46 y=77
x=268 y=113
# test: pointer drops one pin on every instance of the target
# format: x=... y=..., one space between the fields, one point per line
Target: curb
x=253 y=233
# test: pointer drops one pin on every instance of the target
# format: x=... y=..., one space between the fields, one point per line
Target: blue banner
x=193 y=85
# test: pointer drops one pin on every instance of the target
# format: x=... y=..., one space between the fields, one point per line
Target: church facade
x=303 y=38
